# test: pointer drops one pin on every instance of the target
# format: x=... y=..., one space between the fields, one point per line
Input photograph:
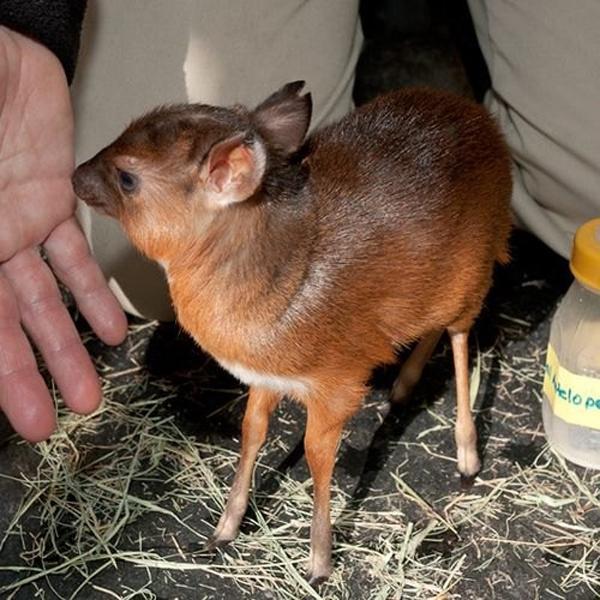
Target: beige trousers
x=544 y=62
x=141 y=53
x=543 y=57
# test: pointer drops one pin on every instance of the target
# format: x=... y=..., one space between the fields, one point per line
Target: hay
x=101 y=479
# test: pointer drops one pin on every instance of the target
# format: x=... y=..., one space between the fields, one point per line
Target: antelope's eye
x=128 y=182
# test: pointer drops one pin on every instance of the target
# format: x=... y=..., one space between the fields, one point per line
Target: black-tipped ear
x=283 y=118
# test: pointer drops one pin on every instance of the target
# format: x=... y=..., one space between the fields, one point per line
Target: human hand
x=37 y=207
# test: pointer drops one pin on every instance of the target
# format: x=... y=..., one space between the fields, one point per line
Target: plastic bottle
x=571 y=398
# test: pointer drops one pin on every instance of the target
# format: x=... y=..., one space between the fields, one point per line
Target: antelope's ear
x=283 y=118
x=232 y=170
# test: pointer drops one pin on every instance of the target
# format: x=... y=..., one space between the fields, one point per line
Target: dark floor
x=147 y=476
x=527 y=525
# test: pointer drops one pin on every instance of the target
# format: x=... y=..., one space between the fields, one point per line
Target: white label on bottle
x=573 y=398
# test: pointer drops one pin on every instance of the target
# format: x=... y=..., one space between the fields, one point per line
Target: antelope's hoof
x=466 y=482
x=216 y=542
x=315 y=580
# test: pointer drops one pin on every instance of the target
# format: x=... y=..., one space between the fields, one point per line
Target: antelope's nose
x=89 y=186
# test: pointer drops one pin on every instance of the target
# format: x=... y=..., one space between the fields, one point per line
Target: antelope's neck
x=231 y=288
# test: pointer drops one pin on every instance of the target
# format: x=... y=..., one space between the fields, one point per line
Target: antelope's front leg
x=325 y=422
x=261 y=404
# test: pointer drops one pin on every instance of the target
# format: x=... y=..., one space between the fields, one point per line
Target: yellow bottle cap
x=585 y=256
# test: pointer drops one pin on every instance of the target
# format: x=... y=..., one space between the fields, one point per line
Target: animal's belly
x=298 y=387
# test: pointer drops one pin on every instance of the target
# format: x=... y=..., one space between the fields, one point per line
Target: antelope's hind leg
x=468 y=463
x=412 y=369
x=261 y=404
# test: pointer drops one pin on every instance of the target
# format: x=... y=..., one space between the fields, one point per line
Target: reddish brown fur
x=378 y=231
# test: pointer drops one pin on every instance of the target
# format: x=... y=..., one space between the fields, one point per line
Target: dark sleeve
x=54 y=23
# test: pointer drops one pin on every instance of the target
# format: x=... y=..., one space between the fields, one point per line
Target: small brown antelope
x=301 y=264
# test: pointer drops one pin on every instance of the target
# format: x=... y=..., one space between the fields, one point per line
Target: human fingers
x=49 y=325
x=24 y=397
x=70 y=258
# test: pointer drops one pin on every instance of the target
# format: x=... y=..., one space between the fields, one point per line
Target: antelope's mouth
x=97 y=203
x=99 y=206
